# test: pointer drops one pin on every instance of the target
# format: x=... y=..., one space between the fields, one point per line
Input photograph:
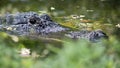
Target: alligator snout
x=96 y=35
x=93 y=36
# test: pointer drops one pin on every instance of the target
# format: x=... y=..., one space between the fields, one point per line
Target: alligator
x=30 y=22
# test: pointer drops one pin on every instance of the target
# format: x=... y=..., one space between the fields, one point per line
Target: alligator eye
x=32 y=21
x=96 y=34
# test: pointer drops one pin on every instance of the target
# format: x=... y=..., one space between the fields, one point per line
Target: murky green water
x=97 y=11
x=92 y=8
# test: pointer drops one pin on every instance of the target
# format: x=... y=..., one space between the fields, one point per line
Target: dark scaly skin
x=93 y=36
x=31 y=22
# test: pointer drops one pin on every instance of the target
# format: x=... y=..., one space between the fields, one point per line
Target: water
x=105 y=12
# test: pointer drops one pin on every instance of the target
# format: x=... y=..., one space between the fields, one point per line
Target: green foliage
x=73 y=54
x=9 y=56
x=83 y=54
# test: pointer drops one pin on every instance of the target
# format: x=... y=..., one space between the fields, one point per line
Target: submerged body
x=31 y=22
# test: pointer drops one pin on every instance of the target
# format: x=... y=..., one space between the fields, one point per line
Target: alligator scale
x=30 y=22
